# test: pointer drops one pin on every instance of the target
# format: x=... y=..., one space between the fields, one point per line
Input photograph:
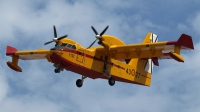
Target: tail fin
x=146 y=64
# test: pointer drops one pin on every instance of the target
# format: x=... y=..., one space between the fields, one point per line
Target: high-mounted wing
x=24 y=55
x=163 y=50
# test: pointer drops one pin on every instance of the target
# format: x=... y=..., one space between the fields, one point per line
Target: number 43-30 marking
x=132 y=72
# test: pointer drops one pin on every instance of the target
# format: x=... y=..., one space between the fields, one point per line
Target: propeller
x=55 y=39
x=98 y=37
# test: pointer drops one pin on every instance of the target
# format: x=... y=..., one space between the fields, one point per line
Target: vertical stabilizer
x=149 y=63
x=145 y=64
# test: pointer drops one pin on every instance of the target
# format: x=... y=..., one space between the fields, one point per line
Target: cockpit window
x=73 y=47
x=67 y=46
x=64 y=44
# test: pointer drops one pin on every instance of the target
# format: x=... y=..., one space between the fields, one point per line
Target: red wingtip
x=10 y=50
x=185 y=41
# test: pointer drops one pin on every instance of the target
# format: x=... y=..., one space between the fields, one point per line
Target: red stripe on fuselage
x=89 y=56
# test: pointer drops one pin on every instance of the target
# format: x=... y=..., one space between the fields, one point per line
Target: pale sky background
x=27 y=24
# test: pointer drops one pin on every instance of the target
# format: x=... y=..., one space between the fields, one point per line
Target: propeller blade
x=55 y=39
x=98 y=37
x=104 y=31
x=55 y=33
x=62 y=37
x=94 y=30
x=48 y=42
x=92 y=44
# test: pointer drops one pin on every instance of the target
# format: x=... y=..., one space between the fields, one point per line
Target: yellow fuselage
x=90 y=63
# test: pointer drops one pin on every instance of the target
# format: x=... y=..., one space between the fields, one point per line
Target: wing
x=162 y=50
x=28 y=54
x=25 y=55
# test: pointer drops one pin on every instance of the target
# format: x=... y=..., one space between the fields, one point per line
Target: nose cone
x=55 y=39
x=98 y=37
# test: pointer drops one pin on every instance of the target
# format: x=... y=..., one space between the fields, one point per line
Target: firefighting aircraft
x=113 y=59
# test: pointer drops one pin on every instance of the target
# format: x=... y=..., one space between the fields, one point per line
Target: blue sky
x=29 y=24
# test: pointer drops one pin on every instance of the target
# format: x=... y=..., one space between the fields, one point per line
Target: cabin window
x=69 y=45
x=73 y=47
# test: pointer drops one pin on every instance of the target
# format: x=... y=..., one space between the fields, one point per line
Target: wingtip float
x=112 y=60
x=10 y=51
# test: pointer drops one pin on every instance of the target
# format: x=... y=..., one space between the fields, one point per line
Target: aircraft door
x=116 y=68
x=80 y=56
